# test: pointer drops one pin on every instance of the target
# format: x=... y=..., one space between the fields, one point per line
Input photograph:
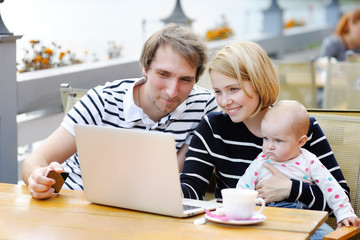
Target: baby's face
x=279 y=142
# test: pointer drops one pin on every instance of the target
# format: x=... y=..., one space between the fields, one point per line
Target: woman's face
x=232 y=98
x=355 y=32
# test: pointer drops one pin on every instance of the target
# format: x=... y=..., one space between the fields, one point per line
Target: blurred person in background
x=346 y=38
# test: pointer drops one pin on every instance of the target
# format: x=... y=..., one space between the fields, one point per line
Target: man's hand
x=39 y=185
x=276 y=188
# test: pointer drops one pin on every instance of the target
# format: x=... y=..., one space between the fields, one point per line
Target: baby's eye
x=278 y=140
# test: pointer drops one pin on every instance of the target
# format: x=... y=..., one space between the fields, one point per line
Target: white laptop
x=133 y=169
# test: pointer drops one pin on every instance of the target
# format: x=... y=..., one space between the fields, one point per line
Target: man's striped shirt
x=113 y=105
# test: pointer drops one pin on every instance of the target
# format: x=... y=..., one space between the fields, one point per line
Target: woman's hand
x=276 y=188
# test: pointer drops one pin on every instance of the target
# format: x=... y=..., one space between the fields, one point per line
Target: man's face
x=170 y=79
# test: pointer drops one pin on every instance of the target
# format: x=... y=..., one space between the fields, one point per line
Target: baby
x=284 y=128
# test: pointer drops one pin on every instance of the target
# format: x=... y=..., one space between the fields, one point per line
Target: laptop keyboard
x=189 y=207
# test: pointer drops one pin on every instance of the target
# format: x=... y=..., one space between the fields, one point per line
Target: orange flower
x=34 y=41
x=37 y=59
x=48 y=51
x=290 y=23
x=45 y=61
x=61 y=55
x=219 y=33
x=40 y=57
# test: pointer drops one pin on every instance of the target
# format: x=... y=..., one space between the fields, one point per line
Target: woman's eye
x=234 y=89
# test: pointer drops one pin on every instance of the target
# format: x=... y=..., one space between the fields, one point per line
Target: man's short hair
x=183 y=41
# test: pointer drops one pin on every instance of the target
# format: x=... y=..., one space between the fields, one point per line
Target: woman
x=246 y=86
x=346 y=38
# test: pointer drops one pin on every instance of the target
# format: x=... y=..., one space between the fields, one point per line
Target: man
x=164 y=100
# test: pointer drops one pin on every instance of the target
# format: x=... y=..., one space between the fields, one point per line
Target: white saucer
x=255 y=219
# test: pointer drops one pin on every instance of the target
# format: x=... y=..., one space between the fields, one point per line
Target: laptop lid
x=130 y=168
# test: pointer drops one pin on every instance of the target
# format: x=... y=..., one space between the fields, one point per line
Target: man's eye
x=162 y=74
x=186 y=80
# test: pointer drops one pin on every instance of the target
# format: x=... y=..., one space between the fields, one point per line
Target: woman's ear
x=302 y=140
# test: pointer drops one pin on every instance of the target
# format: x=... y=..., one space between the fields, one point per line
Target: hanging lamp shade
x=178 y=16
x=3 y=29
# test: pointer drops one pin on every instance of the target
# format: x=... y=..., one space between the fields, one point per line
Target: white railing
x=39 y=96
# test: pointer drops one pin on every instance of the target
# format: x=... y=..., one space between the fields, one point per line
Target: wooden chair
x=352 y=56
x=297 y=81
x=342 y=129
x=342 y=86
x=69 y=95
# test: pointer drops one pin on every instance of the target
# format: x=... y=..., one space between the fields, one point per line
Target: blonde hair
x=245 y=60
x=182 y=40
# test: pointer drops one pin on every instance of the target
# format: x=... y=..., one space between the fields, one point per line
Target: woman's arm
x=198 y=166
x=276 y=188
x=311 y=195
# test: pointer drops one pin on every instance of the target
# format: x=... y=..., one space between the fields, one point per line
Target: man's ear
x=144 y=71
x=302 y=140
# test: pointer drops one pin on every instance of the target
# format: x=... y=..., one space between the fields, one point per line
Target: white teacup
x=240 y=203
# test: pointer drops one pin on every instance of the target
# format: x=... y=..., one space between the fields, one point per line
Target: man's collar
x=131 y=111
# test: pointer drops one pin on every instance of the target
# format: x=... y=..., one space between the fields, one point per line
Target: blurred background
x=90 y=28
x=106 y=37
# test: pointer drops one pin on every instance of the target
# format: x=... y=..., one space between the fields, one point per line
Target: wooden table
x=69 y=216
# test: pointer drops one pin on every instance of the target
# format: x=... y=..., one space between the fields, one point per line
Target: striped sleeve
x=198 y=166
x=218 y=146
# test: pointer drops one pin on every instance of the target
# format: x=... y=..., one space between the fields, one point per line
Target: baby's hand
x=355 y=221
